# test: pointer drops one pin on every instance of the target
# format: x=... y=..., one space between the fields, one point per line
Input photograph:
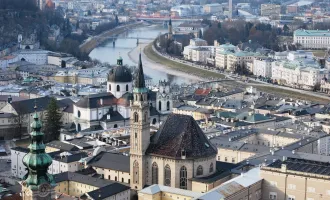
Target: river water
x=109 y=52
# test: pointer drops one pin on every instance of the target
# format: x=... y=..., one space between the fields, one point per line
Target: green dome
x=37 y=160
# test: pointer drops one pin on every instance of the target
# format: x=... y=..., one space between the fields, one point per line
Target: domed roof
x=120 y=74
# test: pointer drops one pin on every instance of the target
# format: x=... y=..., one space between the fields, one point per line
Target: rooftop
x=303 y=32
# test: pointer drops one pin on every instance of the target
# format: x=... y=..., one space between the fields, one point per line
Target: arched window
x=135 y=172
x=79 y=127
x=159 y=105
x=167 y=175
x=154 y=173
x=183 y=178
x=126 y=87
x=211 y=168
x=135 y=135
x=136 y=117
x=115 y=126
x=199 y=170
x=168 y=105
x=154 y=121
x=110 y=87
x=118 y=88
x=145 y=117
x=79 y=114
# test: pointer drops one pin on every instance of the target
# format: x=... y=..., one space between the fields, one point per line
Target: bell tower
x=140 y=130
x=164 y=98
x=37 y=184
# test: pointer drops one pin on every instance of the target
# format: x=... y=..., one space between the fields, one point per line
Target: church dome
x=120 y=74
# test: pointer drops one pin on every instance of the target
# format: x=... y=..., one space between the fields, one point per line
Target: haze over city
x=164 y=99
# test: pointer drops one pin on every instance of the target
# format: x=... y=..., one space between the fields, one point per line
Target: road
x=230 y=76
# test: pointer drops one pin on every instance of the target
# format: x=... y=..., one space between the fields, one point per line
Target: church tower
x=164 y=98
x=140 y=130
x=170 y=30
x=37 y=184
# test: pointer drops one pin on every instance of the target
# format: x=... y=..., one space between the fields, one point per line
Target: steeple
x=139 y=80
x=170 y=29
x=37 y=182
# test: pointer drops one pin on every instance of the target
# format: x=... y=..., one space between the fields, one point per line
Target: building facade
x=312 y=39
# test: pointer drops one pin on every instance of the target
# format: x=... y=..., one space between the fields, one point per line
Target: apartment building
x=212 y=8
x=270 y=9
x=312 y=39
x=298 y=73
x=262 y=67
x=295 y=179
x=227 y=56
x=87 y=187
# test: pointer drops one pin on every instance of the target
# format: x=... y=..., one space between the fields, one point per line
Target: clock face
x=44 y=190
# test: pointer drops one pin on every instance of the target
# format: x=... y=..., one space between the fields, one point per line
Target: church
x=112 y=109
x=178 y=152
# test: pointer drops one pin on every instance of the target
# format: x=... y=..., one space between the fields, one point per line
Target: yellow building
x=82 y=186
x=297 y=179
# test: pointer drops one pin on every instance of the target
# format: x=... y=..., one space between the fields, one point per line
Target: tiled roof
x=181 y=133
x=112 y=161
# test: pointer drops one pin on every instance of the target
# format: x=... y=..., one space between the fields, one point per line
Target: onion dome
x=120 y=73
x=37 y=160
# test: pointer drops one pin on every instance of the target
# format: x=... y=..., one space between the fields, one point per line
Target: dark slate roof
x=120 y=74
x=27 y=106
x=114 y=116
x=302 y=165
x=112 y=161
x=153 y=111
x=139 y=80
x=62 y=146
x=70 y=158
x=69 y=105
x=177 y=133
x=21 y=149
x=108 y=191
x=79 y=178
x=94 y=101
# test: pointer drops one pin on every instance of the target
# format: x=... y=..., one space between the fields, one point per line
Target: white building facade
x=312 y=39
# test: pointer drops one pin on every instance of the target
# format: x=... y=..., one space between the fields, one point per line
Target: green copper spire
x=37 y=161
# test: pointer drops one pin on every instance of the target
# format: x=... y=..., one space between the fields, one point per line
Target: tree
x=53 y=121
x=116 y=20
x=286 y=29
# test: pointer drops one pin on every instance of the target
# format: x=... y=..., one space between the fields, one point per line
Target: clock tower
x=140 y=130
x=37 y=184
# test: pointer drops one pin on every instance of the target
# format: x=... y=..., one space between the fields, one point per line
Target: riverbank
x=95 y=41
x=134 y=56
x=151 y=53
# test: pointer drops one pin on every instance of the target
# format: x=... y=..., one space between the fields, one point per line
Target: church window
x=167 y=175
x=79 y=114
x=211 y=168
x=126 y=87
x=183 y=178
x=168 y=105
x=136 y=117
x=135 y=135
x=159 y=105
x=118 y=88
x=154 y=173
x=136 y=172
x=199 y=170
x=110 y=87
x=145 y=117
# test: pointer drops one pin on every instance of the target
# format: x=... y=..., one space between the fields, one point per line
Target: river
x=109 y=53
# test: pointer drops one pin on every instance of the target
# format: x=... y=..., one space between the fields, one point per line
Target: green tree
x=286 y=29
x=53 y=122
